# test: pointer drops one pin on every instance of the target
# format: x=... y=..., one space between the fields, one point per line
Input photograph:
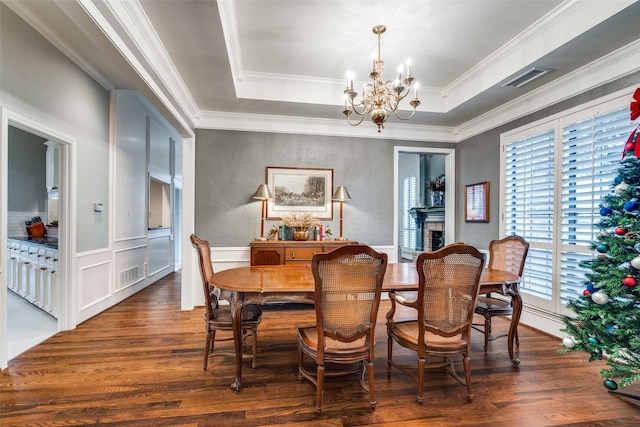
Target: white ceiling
x=208 y=61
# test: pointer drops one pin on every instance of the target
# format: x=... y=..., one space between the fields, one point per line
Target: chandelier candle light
x=381 y=97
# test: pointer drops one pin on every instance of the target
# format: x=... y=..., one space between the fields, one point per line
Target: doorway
x=32 y=231
x=413 y=167
x=59 y=149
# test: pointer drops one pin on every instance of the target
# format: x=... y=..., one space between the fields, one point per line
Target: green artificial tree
x=607 y=321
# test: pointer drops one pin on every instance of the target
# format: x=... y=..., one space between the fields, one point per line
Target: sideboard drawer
x=301 y=254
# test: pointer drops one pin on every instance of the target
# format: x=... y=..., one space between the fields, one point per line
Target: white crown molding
x=606 y=69
x=291 y=88
x=227 y=11
x=570 y=19
x=615 y=65
x=133 y=21
x=313 y=126
x=302 y=89
x=561 y=25
x=104 y=17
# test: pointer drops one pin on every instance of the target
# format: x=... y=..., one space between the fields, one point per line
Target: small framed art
x=476 y=202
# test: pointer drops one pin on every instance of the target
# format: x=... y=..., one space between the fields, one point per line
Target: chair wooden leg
x=319 y=388
x=207 y=348
x=389 y=352
x=467 y=376
x=487 y=332
x=372 y=387
x=421 y=363
x=300 y=377
x=213 y=340
x=516 y=338
x=254 y=347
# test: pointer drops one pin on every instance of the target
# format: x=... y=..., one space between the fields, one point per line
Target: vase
x=437 y=199
x=301 y=233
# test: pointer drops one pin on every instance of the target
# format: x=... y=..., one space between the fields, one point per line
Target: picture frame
x=299 y=190
x=476 y=202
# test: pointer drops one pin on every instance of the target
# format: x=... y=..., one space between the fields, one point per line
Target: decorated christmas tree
x=607 y=316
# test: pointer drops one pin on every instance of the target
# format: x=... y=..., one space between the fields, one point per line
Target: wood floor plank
x=140 y=363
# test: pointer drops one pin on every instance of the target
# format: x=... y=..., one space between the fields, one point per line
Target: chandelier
x=380 y=98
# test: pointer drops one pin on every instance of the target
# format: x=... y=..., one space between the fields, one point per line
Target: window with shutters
x=409 y=196
x=554 y=175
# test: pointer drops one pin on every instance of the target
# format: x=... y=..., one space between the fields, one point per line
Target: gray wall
x=27 y=167
x=230 y=165
x=478 y=160
x=39 y=81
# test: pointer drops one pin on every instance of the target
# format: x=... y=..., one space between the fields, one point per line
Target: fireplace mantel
x=427 y=220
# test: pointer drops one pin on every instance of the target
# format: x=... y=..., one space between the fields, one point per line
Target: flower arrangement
x=304 y=220
x=436 y=184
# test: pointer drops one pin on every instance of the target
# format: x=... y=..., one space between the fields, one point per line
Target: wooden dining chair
x=508 y=254
x=440 y=328
x=218 y=317
x=348 y=284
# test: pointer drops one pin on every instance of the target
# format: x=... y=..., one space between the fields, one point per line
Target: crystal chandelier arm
x=414 y=103
x=353 y=106
x=365 y=102
x=404 y=118
x=354 y=123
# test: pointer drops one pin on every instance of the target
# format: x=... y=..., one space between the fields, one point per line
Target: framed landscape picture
x=300 y=190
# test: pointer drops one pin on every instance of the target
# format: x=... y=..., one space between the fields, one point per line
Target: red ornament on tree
x=629 y=146
x=586 y=292
x=620 y=231
x=629 y=281
x=634 y=108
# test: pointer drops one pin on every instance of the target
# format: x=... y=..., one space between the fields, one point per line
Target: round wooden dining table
x=294 y=283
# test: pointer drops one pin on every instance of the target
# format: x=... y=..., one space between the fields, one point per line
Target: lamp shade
x=263 y=192
x=341 y=194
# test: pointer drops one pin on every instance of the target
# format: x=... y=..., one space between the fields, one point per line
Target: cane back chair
x=508 y=254
x=448 y=284
x=218 y=317
x=348 y=284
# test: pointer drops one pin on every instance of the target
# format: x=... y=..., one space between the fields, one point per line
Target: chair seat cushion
x=408 y=332
x=494 y=306
x=251 y=313
x=308 y=338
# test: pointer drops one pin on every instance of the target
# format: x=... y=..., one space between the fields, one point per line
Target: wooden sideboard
x=273 y=252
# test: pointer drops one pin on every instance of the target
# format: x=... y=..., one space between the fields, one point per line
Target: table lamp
x=341 y=195
x=262 y=193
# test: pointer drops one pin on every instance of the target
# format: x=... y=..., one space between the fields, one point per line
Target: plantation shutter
x=529 y=207
x=591 y=152
x=409 y=192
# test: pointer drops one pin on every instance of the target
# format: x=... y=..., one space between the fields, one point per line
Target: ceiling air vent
x=526 y=77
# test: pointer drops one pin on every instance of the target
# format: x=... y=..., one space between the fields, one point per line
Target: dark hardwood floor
x=140 y=363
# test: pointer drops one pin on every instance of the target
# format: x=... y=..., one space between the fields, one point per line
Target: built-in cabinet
x=33 y=274
x=274 y=252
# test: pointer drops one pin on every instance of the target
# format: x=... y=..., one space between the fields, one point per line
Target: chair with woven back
x=440 y=327
x=348 y=285
x=218 y=317
x=508 y=254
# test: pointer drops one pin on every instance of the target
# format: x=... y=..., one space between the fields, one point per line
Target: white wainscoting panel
x=160 y=253
x=95 y=283
x=129 y=267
